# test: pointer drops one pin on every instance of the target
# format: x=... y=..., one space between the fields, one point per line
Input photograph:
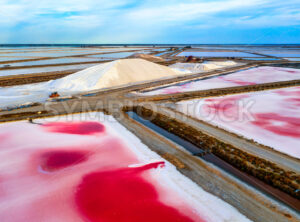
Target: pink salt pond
x=253 y=76
x=271 y=118
x=93 y=171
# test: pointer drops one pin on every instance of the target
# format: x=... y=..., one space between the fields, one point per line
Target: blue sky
x=150 y=21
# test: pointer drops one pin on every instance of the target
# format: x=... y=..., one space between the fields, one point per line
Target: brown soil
x=23 y=115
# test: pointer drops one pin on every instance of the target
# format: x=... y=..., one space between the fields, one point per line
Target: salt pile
x=200 y=67
x=150 y=58
x=105 y=75
x=111 y=74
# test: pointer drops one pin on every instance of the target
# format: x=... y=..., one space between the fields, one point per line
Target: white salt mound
x=150 y=58
x=200 y=67
x=111 y=74
x=105 y=75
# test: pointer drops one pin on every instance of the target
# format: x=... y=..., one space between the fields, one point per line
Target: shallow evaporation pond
x=221 y=48
x=114 y=55
x=262 y=59
x=54 y=61
x=293 y=59
x=77 y=163
x=162 y=53
x=144 y=52
x=249 y=48
x=217 y=54
x=66 y=49
x=165 y=49
x=29 y=48
x=50 y=54
x=127 y=48
x=7 y=58
x=242 y=48
x=49 y=49
x=263 y=74
x=25 y=50
x=282 y=55
x=45 y=69
x=273 y=119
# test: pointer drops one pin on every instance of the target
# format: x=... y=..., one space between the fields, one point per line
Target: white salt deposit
x=268 y=117
x=30 y=70
x=200 y=67
x=150 y=58
x=111 y=74
x=253 y=76
x=217 y=54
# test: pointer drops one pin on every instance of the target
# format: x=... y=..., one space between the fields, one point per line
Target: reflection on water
x=114 y=55
x=266 y=59
x=218 y=54
x=54 y=61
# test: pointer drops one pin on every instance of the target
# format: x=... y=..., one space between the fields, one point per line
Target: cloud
x=268 y=21
x=121 y=21
x=189 y=11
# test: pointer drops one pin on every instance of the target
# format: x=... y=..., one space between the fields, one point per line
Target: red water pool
x=81 y=171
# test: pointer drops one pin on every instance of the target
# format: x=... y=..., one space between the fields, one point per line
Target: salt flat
x=217 y=54
x=53 y=61
x=268 y=117
x=44 y=69
x=55 y=169
x=252 y=76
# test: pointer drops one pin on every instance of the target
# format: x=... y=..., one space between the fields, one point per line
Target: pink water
x=271 y=117
x=248 y=77
x=79 y=171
